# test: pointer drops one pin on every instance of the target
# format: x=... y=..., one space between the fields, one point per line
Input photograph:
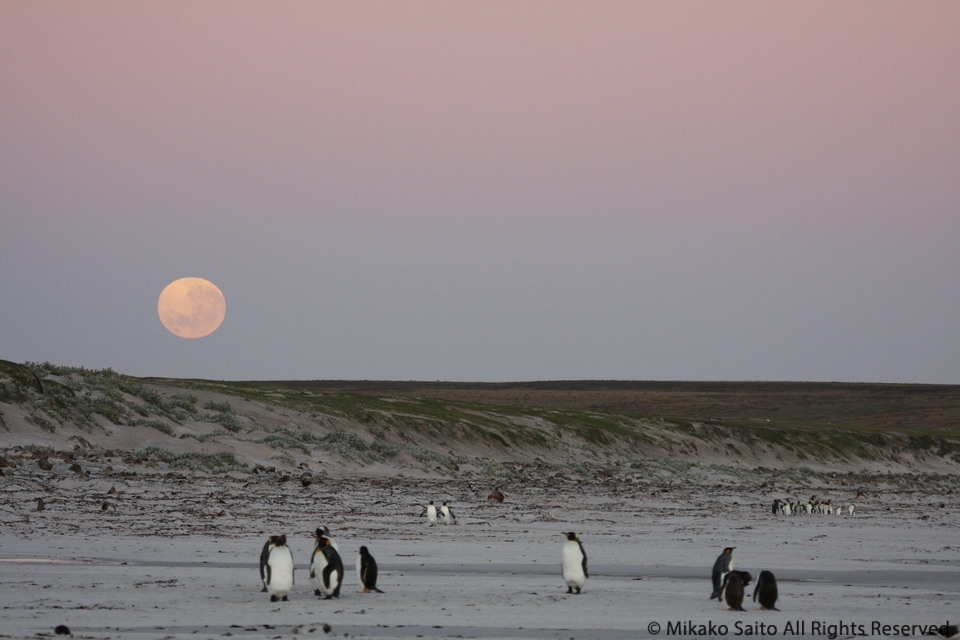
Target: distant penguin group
x=791 y=507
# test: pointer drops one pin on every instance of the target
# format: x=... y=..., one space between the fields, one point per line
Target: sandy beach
x=126 y=552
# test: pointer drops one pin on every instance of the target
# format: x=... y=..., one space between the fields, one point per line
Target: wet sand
x=152 y=554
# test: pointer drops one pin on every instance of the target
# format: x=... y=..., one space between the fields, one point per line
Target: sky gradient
x=486 y=191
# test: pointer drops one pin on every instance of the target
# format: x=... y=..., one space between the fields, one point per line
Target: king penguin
x=431 y=512
x=574 y=565
x=367 y=571
x=326 y=568
x=721 y=567
x=446 y=514
x=278 y=568
x=766 y=591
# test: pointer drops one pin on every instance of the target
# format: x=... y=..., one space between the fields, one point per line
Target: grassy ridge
x=794 y=423
x=908 y=408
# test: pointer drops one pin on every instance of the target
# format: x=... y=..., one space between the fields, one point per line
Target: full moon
x=191 y=307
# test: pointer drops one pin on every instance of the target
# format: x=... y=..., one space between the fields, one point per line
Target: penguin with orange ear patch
x=574 y=565
x=721 y=567
x=326 y=568
x=277 y=568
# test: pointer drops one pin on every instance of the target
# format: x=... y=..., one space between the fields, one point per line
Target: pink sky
x=486 y=191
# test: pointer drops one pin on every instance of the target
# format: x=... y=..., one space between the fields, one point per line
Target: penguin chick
x=367 y=571
x=766 y=591
x=733 y=587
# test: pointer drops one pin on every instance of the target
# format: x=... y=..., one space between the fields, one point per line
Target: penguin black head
x=729 y=549
x=278 y=541
x=364 y=551
x=745 y=577
x=571 y=535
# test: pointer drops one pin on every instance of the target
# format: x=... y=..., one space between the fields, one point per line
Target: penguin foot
x=569 y=589
x=317 y=592
x=274 y=598
x=284 y=598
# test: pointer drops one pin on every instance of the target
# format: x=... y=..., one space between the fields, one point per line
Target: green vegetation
x=220 y=462
x=797 y=423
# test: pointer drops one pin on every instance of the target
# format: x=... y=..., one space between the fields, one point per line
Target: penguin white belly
x=573 y=573
x=325 y=573
x=279 y=572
